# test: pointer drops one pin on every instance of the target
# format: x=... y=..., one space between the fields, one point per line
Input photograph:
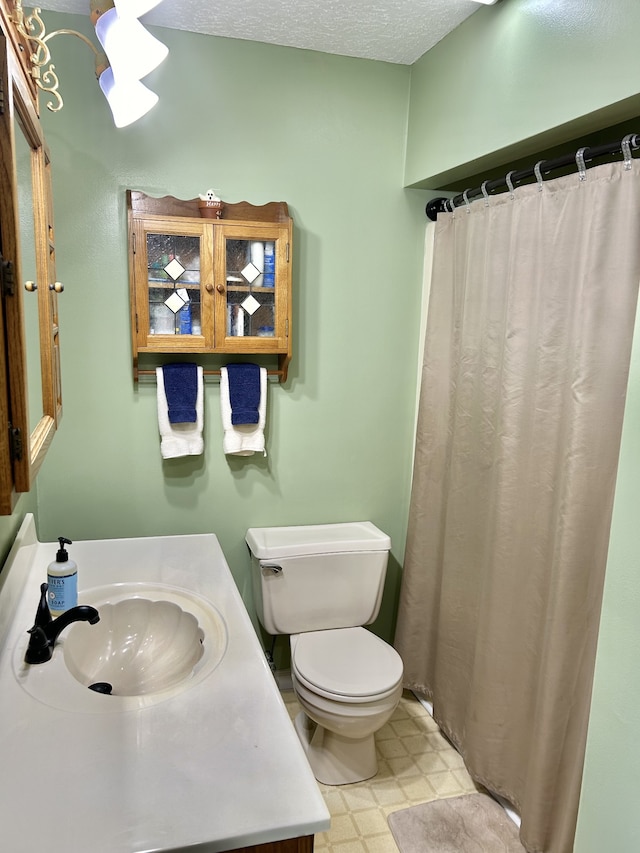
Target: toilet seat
x=346 y=664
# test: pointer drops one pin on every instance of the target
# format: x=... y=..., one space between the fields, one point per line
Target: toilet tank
x=319 y=576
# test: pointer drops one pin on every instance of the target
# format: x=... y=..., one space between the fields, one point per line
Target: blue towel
x=181 y=391
x=244 y=393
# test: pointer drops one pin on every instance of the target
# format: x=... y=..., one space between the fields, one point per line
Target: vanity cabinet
x=206 y=285
x=30 y=386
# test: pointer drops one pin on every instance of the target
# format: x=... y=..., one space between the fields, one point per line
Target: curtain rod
x=582 y=159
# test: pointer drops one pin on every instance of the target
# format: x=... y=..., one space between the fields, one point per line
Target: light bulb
x=131 y=49
x=128 y=101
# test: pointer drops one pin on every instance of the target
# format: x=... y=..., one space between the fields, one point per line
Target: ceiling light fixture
x=131 y=49
x=128 y=101
x=135 y=8
x=486 y=2
x=130 y=53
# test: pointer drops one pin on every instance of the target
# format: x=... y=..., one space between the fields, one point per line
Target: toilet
x=321 y=584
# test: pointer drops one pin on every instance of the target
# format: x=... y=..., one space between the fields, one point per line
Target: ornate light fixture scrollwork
x=121 y=36
x=32 y=28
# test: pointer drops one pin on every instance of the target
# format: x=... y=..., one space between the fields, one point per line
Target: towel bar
x=272 y=375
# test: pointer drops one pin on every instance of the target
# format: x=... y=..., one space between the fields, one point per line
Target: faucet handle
x=39 y=649
x=43 y=614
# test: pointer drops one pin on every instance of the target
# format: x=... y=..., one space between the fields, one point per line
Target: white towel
x=180 y=439
x=243 y=439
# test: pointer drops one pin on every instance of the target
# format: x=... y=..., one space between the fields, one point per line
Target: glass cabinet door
x=250 y=268
x=173 y=278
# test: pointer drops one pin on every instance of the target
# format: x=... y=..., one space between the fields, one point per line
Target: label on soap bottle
x=62 y=593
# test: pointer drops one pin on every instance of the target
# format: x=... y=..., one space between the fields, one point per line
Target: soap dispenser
x=62 y=577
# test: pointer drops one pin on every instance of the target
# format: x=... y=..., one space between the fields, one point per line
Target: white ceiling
x=398 y=31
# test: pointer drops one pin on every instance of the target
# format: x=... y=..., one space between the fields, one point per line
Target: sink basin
x=153 y=642
x=139 y=646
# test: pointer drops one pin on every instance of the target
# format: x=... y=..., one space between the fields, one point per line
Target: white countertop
x=215 y=767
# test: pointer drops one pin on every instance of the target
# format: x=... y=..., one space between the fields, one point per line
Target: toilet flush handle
x=272 y=567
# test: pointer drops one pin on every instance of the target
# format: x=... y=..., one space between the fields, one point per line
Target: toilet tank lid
x=267 y=543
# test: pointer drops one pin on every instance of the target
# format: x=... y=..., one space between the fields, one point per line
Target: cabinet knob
x=209 y=288
x=220 y=288
x=58 y=287
x=31 y=286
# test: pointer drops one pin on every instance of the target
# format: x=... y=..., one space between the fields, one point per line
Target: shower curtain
x=531 y=315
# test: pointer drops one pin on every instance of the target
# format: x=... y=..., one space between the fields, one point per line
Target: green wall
x=609 y=802
x=519 y=77
x=9 y=524
x=260 y=123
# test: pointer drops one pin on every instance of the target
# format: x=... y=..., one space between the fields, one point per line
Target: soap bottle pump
x=62 y=577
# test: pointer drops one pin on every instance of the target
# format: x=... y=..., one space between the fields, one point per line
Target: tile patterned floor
x=416 y=764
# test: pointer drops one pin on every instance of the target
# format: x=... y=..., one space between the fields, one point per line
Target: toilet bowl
x=321 y=584
x=348 y=682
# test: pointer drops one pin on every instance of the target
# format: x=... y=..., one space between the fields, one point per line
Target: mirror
x=27 y=240
x=35 y=256
x=30 y=388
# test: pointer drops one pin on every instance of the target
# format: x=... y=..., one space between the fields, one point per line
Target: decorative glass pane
x=250 y=269
x=174 y=284
x=174 y=269
x=250 y=273
x=251 y=305
x=175 y=302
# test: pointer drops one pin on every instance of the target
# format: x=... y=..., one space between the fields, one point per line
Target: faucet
x=46 y=630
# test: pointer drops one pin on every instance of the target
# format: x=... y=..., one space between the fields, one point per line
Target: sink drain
x=101 y=687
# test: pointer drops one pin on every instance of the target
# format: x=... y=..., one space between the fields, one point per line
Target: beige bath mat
x=473 y=823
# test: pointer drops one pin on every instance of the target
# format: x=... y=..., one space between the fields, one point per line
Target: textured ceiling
x=399 y=31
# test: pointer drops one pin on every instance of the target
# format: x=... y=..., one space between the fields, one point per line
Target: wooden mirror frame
x=23 y=446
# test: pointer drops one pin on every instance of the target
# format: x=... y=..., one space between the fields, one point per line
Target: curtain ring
x=485 y=193
x=582 y=169
x=449 y=201
x=626 y=144
x=537 y=170
x=466 y=199
x=510 y=183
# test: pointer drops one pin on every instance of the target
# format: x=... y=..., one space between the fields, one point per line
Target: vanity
x=211 y=763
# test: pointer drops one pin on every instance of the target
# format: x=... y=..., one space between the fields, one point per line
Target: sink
x=149 y=771
x=138 y=647
x=153 y=641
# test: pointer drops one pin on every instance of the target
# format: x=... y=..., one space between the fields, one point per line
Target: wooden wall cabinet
x=30 y=384
x=210 y=286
